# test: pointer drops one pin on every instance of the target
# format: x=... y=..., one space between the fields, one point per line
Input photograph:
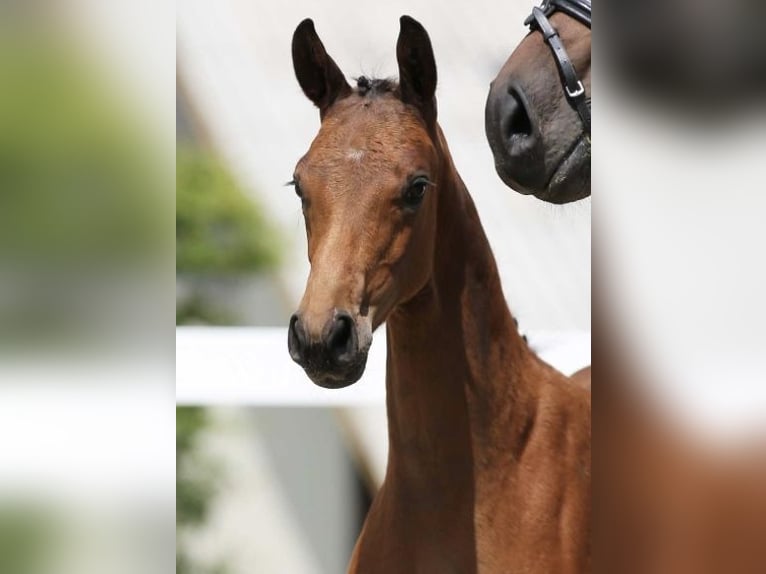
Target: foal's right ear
x=319 y=76
x=417 y=68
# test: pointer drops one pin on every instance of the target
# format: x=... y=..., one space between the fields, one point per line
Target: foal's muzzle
x=333 y=358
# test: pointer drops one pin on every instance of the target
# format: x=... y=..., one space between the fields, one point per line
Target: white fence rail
x=250 y=367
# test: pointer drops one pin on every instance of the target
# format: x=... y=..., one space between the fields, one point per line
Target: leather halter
x=579 y=10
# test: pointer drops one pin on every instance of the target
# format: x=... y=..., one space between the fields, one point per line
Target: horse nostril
x=516 y=120
x=296 y=338
x=341 y=337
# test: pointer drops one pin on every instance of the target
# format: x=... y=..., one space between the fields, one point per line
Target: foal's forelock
x=371 y=87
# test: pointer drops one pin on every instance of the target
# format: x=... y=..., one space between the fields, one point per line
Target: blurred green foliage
x=195 y=485
x=193 y=492
x=27 y=536
x=199 y=311
x=218 y=229
x=86 y=191
x=79 y=178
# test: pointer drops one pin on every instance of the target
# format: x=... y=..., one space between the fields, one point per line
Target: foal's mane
x=372 y=87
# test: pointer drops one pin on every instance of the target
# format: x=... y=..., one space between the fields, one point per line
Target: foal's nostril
x=296 y=338
x=341 y=337
x=516 y=121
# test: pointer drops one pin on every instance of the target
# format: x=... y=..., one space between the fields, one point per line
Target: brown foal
x=489 y=453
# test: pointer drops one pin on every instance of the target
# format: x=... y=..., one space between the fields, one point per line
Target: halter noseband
x=579 y=10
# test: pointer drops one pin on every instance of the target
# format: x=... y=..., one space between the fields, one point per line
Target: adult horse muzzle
x=538 y=148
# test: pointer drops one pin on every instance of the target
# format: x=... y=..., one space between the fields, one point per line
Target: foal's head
x=368 y=187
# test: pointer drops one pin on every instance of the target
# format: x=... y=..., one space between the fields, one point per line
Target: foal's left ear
x=417 y=68
x=317 y=73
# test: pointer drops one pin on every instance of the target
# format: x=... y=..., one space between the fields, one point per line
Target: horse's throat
x=456 y=363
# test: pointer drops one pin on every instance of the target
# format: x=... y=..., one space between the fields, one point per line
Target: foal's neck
x=460 y=378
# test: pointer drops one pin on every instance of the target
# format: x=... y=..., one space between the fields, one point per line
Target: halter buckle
x=579 y=90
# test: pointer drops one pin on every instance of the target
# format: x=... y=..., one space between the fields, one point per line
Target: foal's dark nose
x=336 y=345
x=340 y=338
x=297 y=341
x=513 y=137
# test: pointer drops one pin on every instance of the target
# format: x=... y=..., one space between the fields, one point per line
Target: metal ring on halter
x=578 y=92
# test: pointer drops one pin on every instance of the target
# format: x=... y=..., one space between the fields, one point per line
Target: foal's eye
x=298 y=191
x=416 y=191
x=297 y=187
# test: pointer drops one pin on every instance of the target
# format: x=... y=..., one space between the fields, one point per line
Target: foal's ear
x=417 y=68
x=319 y=76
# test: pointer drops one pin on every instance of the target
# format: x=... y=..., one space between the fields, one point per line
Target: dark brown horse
x=537 y=136
x=489 y=447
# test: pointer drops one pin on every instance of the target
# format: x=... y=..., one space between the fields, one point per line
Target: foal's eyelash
x=291 y=182
x=423 y=179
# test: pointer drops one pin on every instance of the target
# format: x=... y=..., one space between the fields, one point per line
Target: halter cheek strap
x=573 y=87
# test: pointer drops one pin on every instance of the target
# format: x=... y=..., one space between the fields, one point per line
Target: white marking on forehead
x=355 y=154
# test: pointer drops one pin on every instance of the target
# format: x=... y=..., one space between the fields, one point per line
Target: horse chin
x=571 y=180
x=507 y=178
x=338 y=378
